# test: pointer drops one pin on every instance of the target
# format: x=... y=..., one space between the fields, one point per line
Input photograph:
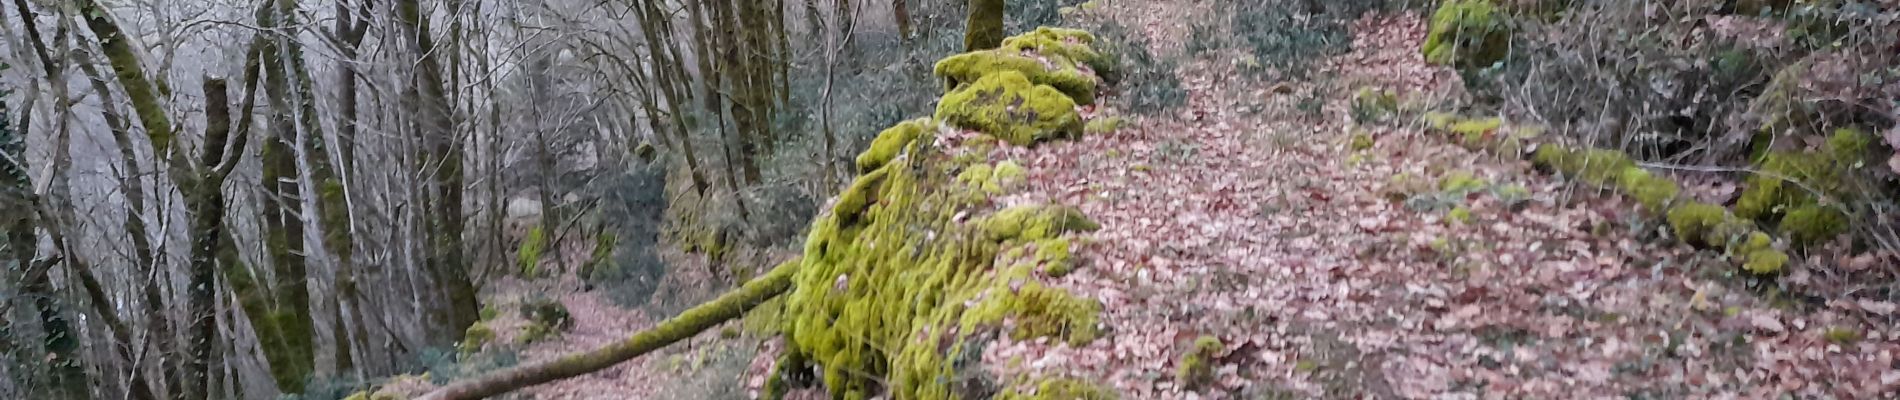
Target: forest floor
x=1335 y=272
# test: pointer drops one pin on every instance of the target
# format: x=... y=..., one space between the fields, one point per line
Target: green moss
x=1459 y=215
x=1361 y=141
x=1460 y=183
x=1373 y=104
x=1654 y=193
x=1512 y=195
x=1008 y=106
x=546 y=317
x=1053 y=70
x=1103 y=126
x=1813 y=224
x=1595 y=166
x=1060 y=389
x=1034 y=222
x=1054 y=256
x=475 y=337
x=992 y=180
x=1765 y=262
x=1788 y=187
x=1076 y=45
x=1196 y=368
x=528 y=257
x=1474 y=132
x=892 y=142
x=895 y=289
x=1439 y=120
x=1692 y=221
x=1466 y=34
x=1841 y=335
x=489 y=312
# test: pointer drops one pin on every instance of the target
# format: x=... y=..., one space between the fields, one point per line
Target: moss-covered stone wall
x=913 y=271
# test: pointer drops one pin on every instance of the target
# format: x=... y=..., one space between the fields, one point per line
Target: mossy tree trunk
x=669 y=79
x=205 y=193
x=58 y=342
x=441 y=160
x=291 y=355
x=985 y=25
x=686 y=325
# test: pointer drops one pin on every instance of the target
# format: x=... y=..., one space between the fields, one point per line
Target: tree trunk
x=686 y=325
x=900 y=11
x=442 y=161
x=206 y=199
x=985 y=25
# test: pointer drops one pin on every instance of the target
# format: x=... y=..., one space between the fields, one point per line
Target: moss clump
x=1361 y=141
x=1654 y=193
x=891 y=142
x=1034 y=222
x=528 y=257
x=1103 y=126
x=1460 y=183
x=989 y=179
x=895 y=290
x=1692 y=222
x=1595 y=166
x=1790 y=186
x=1060 y=389
x=1195 y=369
x=1474 y=132
x=1467 y=34
x=1459 y=215
x=1841 y=335
x=1373 y=104
x=475 y=337
x=1007 y=105
x=1042 y=69
x=1054 y=257
x=1813 y=224
x=1765 y=262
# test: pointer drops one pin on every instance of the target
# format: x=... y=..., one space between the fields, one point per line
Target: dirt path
x=1337 y=273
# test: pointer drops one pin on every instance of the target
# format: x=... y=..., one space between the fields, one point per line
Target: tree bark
x=686 y=325
x=442 y=161
x=985 y=25
x=207 y=222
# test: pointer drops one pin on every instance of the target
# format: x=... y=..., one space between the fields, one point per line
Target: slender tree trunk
x=985 y=25
x=206 y=192
x=442 y=161
x=900 y=11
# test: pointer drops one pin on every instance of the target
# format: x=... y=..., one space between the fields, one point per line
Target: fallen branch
x=685 y=325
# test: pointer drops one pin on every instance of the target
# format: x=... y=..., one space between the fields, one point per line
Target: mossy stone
x=1467 y=34
x=1692 y=222
x=1007 y=105
x=1034 y=222
x=478 y=335
x=1813 y=224
x=1052 y=70
x=1654 y=193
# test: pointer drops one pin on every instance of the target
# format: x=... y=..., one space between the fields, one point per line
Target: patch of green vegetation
x=1046 y=69
x=1693 y=221
x=1842 y=335
x=528 y=257
x=1361 y=141
x=475 y=337
x=1460 y=183
x=1467 y=34
x=1054 y=256
x=1007 y=105
x=991 y=180
x=1103 y=126
x=1060 y=389
x=1373 y=104
x=1195 y=369
x=891 y=142
x=1459 y=215
x=546 y=317
x=1789 y=187
x=1656 y=194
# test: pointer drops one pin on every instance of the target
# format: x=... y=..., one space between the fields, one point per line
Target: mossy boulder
x=896 y=289
x=1467 y=34
x=1053 y=70
x=1011 y=108
x=1653 y=192
x=1692 y=222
